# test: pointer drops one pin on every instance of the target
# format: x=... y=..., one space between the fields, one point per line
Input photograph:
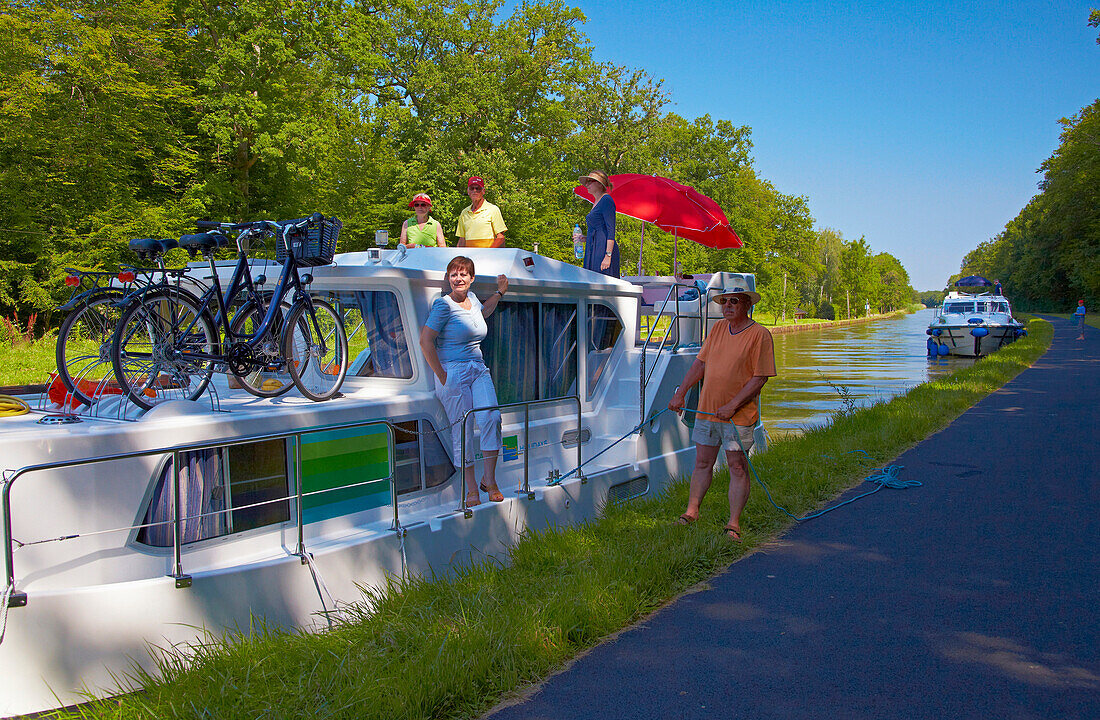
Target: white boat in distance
x=129 y=529
x=972 y=325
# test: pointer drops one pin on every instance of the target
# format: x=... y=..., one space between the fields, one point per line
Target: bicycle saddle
x=151 y=247
x=203 y=242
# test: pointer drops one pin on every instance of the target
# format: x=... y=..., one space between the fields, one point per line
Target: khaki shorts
x=729 y=436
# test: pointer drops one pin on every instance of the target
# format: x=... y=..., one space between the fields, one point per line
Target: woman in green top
x=422 y=229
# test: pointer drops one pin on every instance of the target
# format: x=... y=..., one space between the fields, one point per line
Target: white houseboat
x=123 y=530
x=972 y=325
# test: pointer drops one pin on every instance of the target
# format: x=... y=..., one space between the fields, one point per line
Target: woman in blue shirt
x=451 y=341
x=601 y=252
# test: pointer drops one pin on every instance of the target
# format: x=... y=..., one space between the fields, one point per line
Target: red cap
x=421 y=197
x=475 y=181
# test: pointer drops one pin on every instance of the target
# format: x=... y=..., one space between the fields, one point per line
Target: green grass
x=28 y=363
x=452 y=647
x=772 y=320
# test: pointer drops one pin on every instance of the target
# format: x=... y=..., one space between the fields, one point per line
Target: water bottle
x=578 y=242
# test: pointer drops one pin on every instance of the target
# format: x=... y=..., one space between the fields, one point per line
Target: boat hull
x=960 y=340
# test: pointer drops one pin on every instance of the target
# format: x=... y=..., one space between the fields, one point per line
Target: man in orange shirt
x=736 y=360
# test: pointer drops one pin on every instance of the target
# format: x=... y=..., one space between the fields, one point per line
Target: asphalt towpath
x=973 y=596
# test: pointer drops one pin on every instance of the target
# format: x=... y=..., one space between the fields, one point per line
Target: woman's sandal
x=475 y=501
x=732 y=533
x=495 y=495
x=684 y=519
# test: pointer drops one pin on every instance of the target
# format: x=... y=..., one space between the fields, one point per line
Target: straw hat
x=725 y=284
x=599 y=176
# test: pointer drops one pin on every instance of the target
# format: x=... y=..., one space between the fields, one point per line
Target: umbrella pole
x=641 y=244
x=675 y=261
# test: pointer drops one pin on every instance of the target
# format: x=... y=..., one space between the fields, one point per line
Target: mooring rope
x=886 y=477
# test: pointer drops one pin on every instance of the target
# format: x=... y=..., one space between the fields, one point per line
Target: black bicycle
x=167 y=344
x=93 y=311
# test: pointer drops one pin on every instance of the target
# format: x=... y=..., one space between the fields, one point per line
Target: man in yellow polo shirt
x=481 y=224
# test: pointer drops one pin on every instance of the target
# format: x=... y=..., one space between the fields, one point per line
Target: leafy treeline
x=1048 y=257
x=134 y=117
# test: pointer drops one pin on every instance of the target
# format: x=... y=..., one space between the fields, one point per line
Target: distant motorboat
x=972 y=325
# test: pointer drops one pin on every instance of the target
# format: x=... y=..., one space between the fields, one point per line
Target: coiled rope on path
x=886 y=477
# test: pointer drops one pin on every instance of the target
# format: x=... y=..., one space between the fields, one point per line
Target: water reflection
x=873 y=362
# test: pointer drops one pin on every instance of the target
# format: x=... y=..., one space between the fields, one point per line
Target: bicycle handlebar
x=258 y=224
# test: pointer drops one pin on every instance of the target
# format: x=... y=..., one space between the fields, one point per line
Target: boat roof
x=522 y=268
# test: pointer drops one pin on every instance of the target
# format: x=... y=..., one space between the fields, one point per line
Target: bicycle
x=166 y=345
x=84 y=336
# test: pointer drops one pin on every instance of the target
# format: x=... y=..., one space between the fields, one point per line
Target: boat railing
x=526 y=405
x=19 y=599
x=676 y=320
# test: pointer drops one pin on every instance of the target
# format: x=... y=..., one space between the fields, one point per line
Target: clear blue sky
x=917 y=125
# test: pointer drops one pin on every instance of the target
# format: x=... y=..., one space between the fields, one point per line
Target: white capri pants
x=469 y=385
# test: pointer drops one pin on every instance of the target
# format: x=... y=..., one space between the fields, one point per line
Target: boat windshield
x=1000 y=307
x=376 y=335
x=959 y=307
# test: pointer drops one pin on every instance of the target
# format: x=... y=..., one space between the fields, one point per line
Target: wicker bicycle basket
x=313 y=246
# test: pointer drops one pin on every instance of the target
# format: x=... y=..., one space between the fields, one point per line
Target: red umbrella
x=675 y=208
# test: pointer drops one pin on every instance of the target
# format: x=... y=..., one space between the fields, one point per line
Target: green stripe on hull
x=333 y=460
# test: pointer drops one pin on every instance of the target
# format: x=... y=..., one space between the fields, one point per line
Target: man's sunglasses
x=730 y=300
x=416 y=205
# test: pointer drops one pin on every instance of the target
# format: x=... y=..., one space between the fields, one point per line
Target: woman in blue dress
x=601 y=252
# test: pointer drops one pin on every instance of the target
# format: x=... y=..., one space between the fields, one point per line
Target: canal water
x=820 y=369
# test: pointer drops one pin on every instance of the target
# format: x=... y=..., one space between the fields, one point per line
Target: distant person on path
x=480 y=224
x=451 y=341
x=997 y=289
x=736 y=360
x=423 y=229
x=601 y=252
x=1079 y=314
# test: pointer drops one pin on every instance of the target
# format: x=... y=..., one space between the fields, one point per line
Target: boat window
x=531 y=350
x=604 y=329
x=376 y=335
x=256 y=477
x=1000 y=307
x=981 y=307
x=959 y=308
x=511 y=351
x=421 y=460
x=559 y=350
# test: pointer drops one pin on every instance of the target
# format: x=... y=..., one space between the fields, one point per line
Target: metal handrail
x=18 y=599
x=644 y=379
x=526 y=405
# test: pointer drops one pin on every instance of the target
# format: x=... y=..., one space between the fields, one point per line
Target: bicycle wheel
x=272 y=379
x=316 y=352
x=83 y=350
x=162 y=349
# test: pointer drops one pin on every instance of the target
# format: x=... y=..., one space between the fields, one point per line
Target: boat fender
x=936 y=332
x=1023 y=332
x=944 y=349
x=979 y=332
x=928 y=331
x=933 y=348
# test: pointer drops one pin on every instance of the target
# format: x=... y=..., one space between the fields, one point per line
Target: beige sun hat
x=599 y=176
x=723 y=284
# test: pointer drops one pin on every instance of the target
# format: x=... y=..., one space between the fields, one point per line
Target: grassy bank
x=29 y=362
x=453 y=647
